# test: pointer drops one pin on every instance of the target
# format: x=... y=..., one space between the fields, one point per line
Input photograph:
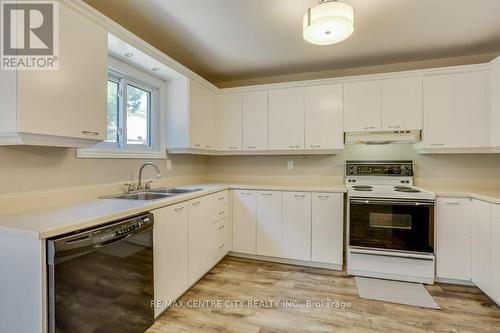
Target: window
x=133 y=115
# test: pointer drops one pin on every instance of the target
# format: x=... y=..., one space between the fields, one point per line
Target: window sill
x=124 y=154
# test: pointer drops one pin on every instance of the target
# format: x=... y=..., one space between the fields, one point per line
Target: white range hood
x=382 y=137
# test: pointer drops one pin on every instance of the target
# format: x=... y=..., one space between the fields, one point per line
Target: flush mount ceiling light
x=329 y=22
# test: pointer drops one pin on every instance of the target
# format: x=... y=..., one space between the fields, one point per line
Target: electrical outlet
x=169 y=164
x=290 y=165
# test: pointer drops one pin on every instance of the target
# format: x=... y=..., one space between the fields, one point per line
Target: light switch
x=290 y=165
x=169 y=164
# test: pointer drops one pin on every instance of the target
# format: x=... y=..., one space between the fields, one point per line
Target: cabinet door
x=362 y=107
x=296 y=213
x=454 y=248
x=71 y=101
x=402 y=104
x=327 y=227
x=269 y=233
x=201 y=116
x=244 y=221
x=256 y=120
x=481 y=245
x=496 y=104
x=495 y=253
x=229 y=122
x=170 y=253
x=200 y=238
x=324 y=117
x=286 y=119
x=457 y=111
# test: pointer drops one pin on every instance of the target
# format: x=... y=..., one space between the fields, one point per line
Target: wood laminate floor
x=262 y=284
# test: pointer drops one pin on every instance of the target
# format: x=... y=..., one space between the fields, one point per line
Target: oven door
x=400 y=225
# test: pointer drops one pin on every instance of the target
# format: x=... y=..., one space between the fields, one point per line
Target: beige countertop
x=50 y=221
x=486 y=194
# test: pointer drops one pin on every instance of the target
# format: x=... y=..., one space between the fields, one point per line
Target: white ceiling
x=225 y=40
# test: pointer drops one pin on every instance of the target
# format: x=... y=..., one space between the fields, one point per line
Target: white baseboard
x=455 y=281
x=336 y=267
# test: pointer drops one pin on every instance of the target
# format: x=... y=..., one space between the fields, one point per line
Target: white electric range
x=390 y=222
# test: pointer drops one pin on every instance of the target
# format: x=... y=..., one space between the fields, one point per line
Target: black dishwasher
x=101 y=280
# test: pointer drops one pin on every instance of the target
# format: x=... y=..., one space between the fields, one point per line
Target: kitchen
x=266 y=188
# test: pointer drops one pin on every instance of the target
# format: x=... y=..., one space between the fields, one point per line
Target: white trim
x=157 y=88
x=119 y=153
x=19 y=138
x=305 y=263
x=198 y=151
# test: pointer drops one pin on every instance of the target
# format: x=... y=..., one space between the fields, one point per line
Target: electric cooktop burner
x=365 y=188
x=405 y=189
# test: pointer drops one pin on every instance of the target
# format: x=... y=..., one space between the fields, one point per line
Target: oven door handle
x=390 y=202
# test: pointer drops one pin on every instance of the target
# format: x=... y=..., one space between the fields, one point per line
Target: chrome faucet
x=158 y=174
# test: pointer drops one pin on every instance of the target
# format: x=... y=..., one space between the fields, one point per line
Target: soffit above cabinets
x=240 y=40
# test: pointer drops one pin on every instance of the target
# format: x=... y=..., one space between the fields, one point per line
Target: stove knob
x=396 y=170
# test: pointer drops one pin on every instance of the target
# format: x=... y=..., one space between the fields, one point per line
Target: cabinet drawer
x=220 y=212
x=220 y=198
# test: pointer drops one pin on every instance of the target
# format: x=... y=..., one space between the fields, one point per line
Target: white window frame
x=127 y=74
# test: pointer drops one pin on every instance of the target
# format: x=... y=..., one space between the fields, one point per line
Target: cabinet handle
x=208 y=146
x=222 y=227
x=395 y=127
x=221 y=198
x=195 y=203
x=294 y=147
x=221 y=212
x=454 y=203
x=220 y=247
x=252 y=147
x=233 y=148
x=315 y=146
x=369 y=127
x=197 y=145
x=299 y=196
x=90 y=133
x=179 y=209
x=437 y=144
x=246 y=193
x=267 y=194
x=323 y=196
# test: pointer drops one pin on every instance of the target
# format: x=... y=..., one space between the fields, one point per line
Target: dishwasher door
x=101 y=280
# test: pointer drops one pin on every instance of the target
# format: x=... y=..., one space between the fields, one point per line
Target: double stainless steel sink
x=153 y=194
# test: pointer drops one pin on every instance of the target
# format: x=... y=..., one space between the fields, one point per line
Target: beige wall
x=431 y=170
x=39 y=168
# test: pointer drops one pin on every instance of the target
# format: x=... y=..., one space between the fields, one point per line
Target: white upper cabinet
x=362 y=106
x=481 y=245
x=65 y=107
x=457 y=110
x=201 y=116
x=496 y=104
x=286 y=119
x=255 y=120
x=229 y=122
x=402 y=104
x=324 y=117
x=454 y=248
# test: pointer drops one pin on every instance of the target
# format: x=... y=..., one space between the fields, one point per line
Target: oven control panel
x=378 y=168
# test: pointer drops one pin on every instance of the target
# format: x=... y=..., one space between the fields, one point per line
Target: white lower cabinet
x=495 y=253
x=296 y=225
x=244 y=221
x=208 y=241
x=170 y=243
x=454 y=247
x=481 y=245
x=327 y=228
x=269 y=227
